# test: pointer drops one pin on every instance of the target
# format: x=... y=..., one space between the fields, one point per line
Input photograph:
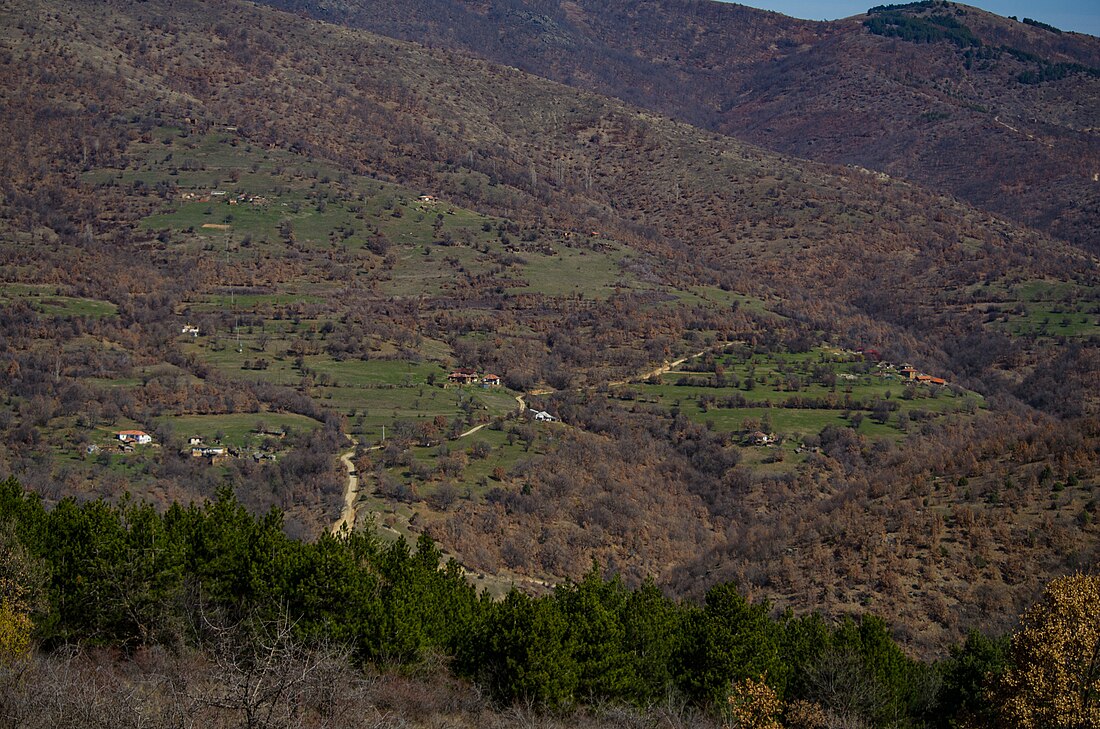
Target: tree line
x=130 y=577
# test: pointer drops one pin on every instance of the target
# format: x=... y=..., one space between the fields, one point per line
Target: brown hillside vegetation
x=952 y=118
x=398 y=212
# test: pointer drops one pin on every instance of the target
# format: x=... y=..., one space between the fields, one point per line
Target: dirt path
x=1026 y=134
x=667 y=367
x=351 y=488
x=351 y=494
x=472 y=430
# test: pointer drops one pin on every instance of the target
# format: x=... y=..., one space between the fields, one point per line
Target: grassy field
x=760 y=390
x=48 y=301
x=1041 y=308
x=239 y=430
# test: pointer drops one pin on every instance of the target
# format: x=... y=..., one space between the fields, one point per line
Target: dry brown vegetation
x=959 y=524
x=949 y=118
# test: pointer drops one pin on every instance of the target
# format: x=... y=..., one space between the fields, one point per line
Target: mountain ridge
x=946 y=117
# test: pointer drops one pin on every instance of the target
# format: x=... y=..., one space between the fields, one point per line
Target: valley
x=263 y=276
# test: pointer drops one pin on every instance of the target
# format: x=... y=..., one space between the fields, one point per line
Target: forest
x=214 y=581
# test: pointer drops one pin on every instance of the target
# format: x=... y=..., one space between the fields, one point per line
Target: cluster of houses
x=220 y=453
x=906 y=372
x=214 y=453
x=220 y=195
x=472 y=377
x=759 y=438
x=127 y=439
x=909 y=373
x=245 y=198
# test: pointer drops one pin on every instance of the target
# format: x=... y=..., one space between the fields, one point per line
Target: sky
x=1082 y=16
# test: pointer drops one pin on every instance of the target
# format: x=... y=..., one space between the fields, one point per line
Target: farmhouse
x=543 y=417
x=134 y=436
x=190 y=329
x=207 y=451
x=909 y=372
x=760 y=438
x=463 y=377
x=490 y=381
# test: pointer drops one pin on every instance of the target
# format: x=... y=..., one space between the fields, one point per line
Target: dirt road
x=351 y=493
x=667 y=367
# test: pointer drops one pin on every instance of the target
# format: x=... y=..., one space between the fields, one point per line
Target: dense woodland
x=575 y=246
x=277 y=619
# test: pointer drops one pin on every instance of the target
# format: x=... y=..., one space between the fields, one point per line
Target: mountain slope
x=953 y=118
x=563 y=240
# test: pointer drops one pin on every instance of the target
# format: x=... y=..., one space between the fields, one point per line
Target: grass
x=572 y=272
x=1041 y=308
x=780 y=377
x=48 y=300
x=237 y=429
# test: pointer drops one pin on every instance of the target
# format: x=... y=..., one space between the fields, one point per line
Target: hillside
x=1007 y=120
x=270 y=234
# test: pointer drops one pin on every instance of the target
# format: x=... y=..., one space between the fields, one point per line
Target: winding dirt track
x=351 y=486
x=351 y=493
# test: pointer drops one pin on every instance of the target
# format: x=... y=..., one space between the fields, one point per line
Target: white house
x=543 y=417
x=134 y=436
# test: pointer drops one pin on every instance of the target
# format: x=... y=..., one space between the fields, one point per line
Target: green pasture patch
x=476 y=478
x=1047 y=320
x=357 y=373
x=207 y=219
x=573 y=271
x=47 y=300
x=230 y=362
x=236 y=429
x=247 y=302
x=714 y=295
x=106 y=383
x=782 y=378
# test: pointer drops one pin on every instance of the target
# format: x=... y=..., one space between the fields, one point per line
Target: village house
x=215 y=454
x=194 y=440
x=207 y=451
x=543 y=417
x=134 y=436
x=190 y=329
x=760 y=438
x=463 y=377
x=490 y=381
